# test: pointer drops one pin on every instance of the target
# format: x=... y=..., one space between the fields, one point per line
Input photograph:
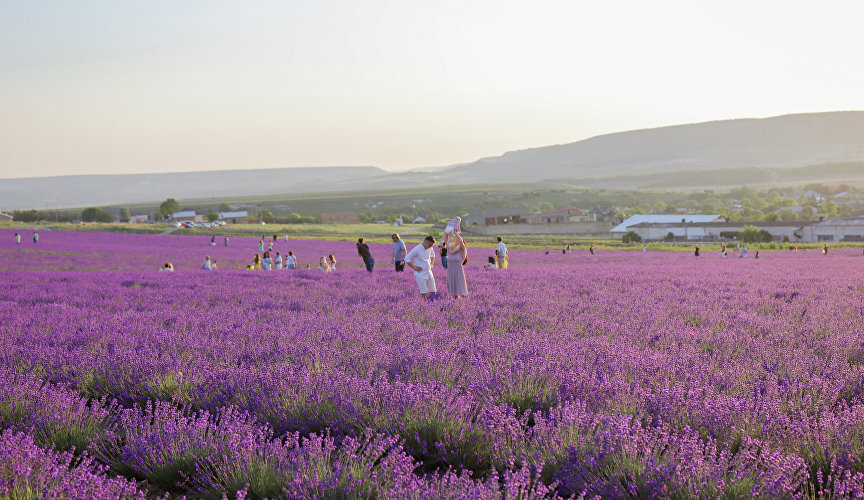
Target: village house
x=494 y=217
x=187 y=216
x=4 y=217
x=240 y=217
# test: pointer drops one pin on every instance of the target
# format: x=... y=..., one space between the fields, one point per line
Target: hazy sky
x=156 y=86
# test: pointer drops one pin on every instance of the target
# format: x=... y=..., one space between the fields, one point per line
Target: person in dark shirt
x=363 y=251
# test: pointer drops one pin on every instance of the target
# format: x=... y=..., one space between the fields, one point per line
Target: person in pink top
x=457 y=254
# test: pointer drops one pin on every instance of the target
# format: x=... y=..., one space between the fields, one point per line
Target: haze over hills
x=639 y=158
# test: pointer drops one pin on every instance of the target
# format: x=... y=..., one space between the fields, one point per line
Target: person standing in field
x=213 y=240
x=226 y=241
x=444 y=254
x=458 y=256
x=399 y=252
x=261 y=245
x=266 y=262
x=420 y=259
x=35 y=238
x=278 y=261
x=365 y=254
x=207 y=264
x=290 y=261
x=591 y=249
x=331 y=261
x=644 y=248
x=256 y=262
x=17 y=239
x=323 y=265
x=501 y=254
x=825 y=249
x=696 y=253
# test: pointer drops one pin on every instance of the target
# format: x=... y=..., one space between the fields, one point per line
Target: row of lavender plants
x=620 y=375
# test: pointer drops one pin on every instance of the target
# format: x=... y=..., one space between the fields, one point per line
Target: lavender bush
x=618 y=375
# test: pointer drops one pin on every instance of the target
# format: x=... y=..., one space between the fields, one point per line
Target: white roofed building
x=664 y=219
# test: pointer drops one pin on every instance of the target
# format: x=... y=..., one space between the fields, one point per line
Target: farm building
x=796 y=231
x=187 y=215
x=241 y=217
x=663 y=219
x=340 y=218
x=4 y=217
x=494 y=217
x=839 y=229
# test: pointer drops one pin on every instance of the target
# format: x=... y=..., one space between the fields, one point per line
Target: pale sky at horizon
x=94 y=87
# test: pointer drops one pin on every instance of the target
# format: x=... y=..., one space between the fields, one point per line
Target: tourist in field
x=569 y=250
x=323 y=265
x=591 y=249
x=274 y=238
x=213 y=265
x=35 y=238
x=644 y=248
x=290 y=261
x=278 y=261
x=270 y=247
x=213 y=240
x=756 y=256
x=458 y=256
x=226 y=241
x=261 y=245
x=331 y=261
x=256 y=262
x=421 y=259
x=825 y=249
x=17 y=239
x=491 y=264
x=696 y=253
x=365 y=254
x=168 y=267
x=444 y=253
x=207 y=264
x=501 y=254
x=399 y=252
x=267 y=261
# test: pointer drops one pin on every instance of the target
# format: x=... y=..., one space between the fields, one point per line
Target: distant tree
x=94 y=214
x=224 y=207
x=212 y=216
x=831 y=209
x=265 y=215
x=787 y=214
x=123 y=214
x=752 y=234
x=631 y=237
x=669 y=236
x=170 y=206
x=27 y=215
x=771 y=217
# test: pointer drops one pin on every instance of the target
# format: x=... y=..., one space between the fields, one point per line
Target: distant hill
x=780 y=142
x=100 y=190
x=809 y=147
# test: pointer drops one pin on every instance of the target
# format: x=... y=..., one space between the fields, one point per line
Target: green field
x=411 y=233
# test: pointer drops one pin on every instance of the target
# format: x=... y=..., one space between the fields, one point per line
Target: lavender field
x=619 y=375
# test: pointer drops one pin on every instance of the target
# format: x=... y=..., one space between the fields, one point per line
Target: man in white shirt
x=420 y=259
x=501 y=253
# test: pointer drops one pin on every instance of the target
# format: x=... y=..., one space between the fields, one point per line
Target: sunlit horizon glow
x=142 y=87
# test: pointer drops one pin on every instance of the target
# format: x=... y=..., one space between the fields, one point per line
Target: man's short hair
x=359 y=240
x=395 y=235
x=430 y=238
x=499 y=238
